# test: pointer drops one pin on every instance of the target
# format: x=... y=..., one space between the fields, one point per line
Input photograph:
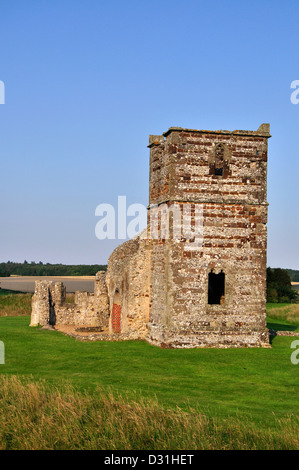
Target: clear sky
x=87 y=81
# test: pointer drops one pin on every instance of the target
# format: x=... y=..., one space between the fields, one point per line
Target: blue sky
x=87 y=81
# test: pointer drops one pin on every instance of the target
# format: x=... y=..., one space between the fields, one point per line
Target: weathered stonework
x=49 y=307
x=128 y=282
x=225 y=174
x=168 y=290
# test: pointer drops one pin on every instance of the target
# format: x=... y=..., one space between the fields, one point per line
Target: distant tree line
x=41 y=269
x=294 y=275
x=279 y=287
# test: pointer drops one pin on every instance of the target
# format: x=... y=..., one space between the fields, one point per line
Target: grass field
x=38 y=416
x=14 y=303
x=245 y=398
x=283 y=317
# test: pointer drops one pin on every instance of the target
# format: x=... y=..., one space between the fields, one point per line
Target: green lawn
x=255 y=384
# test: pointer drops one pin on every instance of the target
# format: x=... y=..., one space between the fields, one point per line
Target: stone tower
x=209 y=290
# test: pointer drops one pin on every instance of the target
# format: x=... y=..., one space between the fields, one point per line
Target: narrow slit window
x=216 y=288
x=219 y=159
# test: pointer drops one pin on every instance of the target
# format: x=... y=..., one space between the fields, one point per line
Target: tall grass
x=34 y=416
x=15 y=305
x=289 y=313
x=70 y=298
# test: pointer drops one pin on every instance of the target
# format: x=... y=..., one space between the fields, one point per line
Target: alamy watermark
x=2 y=92
x=295 y=94
x=2 y=353
x=179 y=222
x=295 y=354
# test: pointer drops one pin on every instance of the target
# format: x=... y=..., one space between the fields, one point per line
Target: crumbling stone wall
x=128 y=282
x=49 y=307
x=46 y=301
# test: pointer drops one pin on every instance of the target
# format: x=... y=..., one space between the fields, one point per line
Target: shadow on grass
x=280 y=326
x=274 y=325
x=8 y=292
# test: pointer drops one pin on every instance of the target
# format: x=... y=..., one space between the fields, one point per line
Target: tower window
x=216 y=288
x=219 y=159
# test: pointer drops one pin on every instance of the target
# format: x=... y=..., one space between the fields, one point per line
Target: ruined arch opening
x=116 y=313
x=216 y=288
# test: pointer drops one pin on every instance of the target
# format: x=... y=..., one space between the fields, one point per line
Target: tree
x=279 y=287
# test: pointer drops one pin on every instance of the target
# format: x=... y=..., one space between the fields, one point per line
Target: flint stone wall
x=128 y=275
x=49 y=306
x=234 y=209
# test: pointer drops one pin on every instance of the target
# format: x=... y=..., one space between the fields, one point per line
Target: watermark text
x=295 y=94
x=295 y=354
x=2 y=353
x=178 y=222
x=2 y=92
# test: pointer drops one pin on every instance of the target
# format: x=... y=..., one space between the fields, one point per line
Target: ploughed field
x=27 y=283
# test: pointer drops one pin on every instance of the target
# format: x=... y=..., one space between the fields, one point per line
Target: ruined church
x=177 y=288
